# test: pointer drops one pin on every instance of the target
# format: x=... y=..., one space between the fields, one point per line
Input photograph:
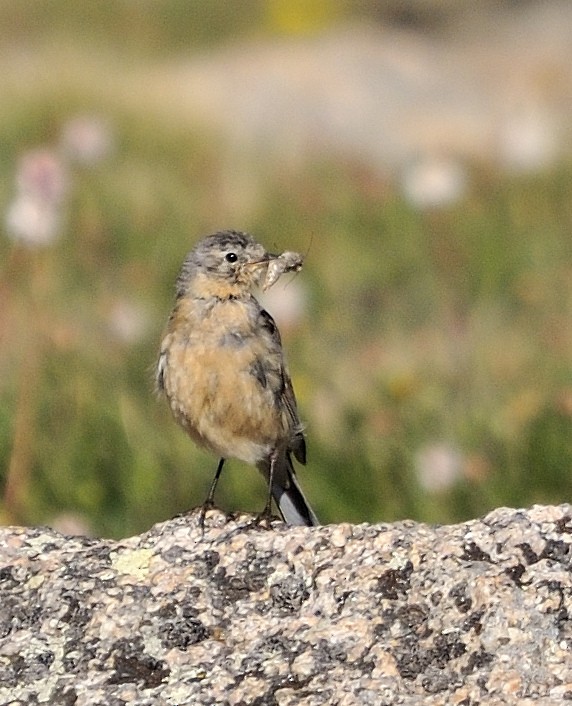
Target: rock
x=344 y=614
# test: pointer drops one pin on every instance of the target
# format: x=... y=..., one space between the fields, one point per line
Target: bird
x=222 y=370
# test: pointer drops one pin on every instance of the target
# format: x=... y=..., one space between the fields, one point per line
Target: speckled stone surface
x=478 y=613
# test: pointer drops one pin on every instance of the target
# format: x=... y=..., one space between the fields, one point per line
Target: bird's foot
x=263 y=520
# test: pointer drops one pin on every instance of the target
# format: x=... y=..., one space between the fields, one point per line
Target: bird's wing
x=285 y=392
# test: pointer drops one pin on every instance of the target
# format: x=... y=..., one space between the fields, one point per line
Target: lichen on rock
x=240 y=614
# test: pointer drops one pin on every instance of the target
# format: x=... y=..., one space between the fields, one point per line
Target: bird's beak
x=264 y=260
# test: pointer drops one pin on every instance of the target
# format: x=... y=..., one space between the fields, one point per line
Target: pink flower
x=34 y=217
x=42 y=175
x=87 y=139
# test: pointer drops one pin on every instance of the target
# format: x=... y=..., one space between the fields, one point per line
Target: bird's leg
x=209 y=502
x=266 y=514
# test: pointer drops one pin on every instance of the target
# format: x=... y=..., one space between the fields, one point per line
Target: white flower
x=127 y=321
x=32 y=222
x=433 y=182
x=286 y=301
x=438 y=467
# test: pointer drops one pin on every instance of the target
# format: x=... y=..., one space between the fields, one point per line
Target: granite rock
x=244 y=614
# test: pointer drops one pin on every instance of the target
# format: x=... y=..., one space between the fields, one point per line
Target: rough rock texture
x=477 y=613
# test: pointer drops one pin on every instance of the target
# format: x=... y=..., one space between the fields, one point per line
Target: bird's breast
x=222 y=380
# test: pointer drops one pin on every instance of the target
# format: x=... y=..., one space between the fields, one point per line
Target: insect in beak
x=268 y=257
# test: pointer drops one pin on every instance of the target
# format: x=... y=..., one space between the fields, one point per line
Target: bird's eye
x=231 y=257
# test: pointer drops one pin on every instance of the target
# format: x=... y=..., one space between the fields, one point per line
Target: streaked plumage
x=222 y=370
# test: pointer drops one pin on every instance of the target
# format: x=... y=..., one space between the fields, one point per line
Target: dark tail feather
x=291 y=502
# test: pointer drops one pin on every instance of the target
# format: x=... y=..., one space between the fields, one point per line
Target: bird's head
x=228 y=263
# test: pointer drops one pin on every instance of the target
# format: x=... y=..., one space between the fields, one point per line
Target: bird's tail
x=288 y=495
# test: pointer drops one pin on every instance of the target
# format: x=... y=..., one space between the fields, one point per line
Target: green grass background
x=451 y=327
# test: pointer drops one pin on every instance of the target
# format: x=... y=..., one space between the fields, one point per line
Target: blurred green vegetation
x=449 y=329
